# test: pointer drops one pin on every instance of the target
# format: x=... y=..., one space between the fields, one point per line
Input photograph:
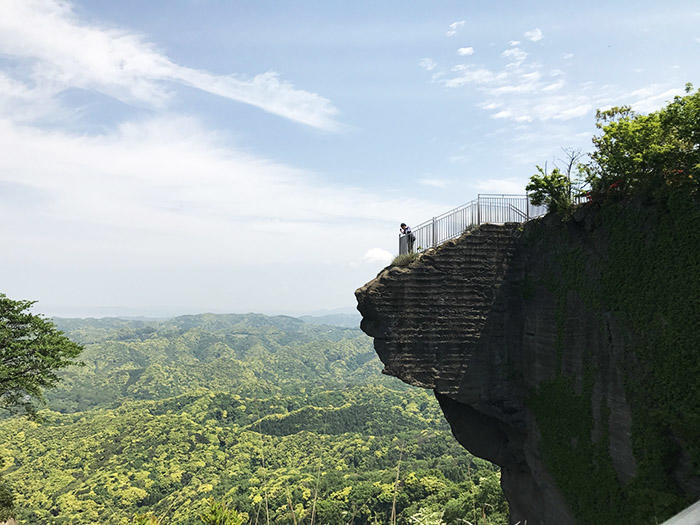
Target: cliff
x=565 y=351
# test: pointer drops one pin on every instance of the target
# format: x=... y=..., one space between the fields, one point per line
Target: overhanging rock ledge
x=476 y=320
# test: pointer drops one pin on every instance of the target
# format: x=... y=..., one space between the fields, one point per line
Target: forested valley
x=240 y=419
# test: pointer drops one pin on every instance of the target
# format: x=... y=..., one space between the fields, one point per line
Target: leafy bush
x=550 y=189
x=647 y=153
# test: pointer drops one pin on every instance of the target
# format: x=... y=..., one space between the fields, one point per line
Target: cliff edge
x=565 y=351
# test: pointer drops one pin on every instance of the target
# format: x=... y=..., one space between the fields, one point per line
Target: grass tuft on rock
x=404 y=259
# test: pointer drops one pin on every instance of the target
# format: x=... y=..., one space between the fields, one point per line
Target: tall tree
x=32 y=350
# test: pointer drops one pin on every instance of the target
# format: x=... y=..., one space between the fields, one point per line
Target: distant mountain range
x=342 y=320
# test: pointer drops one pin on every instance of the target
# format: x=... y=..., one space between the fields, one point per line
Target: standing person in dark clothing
x=410 y=238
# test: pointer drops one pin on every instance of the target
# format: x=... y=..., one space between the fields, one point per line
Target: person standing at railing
x=410 y=238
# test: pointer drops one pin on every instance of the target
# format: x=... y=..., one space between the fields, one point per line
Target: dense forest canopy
x=248 y=412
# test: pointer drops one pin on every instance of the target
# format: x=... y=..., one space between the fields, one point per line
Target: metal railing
x=485 y=209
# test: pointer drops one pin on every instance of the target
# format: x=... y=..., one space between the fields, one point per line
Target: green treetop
x=652 y=155
x=32 y=350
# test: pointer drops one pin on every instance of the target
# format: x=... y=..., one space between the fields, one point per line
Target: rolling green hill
x=241 y=408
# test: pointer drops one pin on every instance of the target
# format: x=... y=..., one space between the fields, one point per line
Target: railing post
x=434 y=233
x=527 y=206
x=478 y=209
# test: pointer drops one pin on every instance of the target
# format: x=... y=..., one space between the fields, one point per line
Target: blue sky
x=185 y=156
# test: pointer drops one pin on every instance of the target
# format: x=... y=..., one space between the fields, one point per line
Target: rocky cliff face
x=544 y=362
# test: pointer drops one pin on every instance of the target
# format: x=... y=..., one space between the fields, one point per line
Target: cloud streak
x=523 y=90
x=64 y=52
x=427 y=63
x=535 y=35
x=454 y=27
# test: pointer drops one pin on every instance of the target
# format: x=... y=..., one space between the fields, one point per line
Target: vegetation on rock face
x=405 y=259
x=208 y=418
x=646 y=277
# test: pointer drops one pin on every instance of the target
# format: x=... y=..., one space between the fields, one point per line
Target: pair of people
x=410 y=238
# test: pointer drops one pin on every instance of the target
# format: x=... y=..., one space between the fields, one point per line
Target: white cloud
x=454 y=27
x=169 y=176
x=516 y=54
x=535 y=35
x=554 y=86
x=469 y=75
x=650 y=98
x=501 y=185
x=378 y=255
x=65 y=53
x=567 y=56
x=465 y=51
x=514 y=43
x=522 y=92
x=503 y=114
x=162 y=210
x=427 y=63
x=435 y=183
x=159 y=208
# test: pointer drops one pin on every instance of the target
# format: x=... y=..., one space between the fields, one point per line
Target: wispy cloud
x=515 y=54
x=465 y=51
x=651 y=97
x=567 y=56
x=510 y=185
x=378 y=255
x=434 y=182
x=454 y=27
x=525 y=91
x=159 y=192
x=427 y=63
x=535 y=35
x=64 y=52
x=167 y=187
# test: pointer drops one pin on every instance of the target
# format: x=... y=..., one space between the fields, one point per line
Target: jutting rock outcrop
x=565 y=351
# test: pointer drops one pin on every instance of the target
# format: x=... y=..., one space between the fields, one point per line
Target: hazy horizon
x=125 y=312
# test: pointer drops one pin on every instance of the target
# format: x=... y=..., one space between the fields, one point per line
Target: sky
x=168 y=157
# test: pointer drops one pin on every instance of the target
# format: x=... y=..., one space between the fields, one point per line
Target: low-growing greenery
x=405 y=259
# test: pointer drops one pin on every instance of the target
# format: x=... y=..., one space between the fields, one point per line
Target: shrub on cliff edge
x=650 y=155
x=404 y=259
x=647 y=154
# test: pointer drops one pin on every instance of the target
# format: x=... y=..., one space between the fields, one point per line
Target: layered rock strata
x=482 y=322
